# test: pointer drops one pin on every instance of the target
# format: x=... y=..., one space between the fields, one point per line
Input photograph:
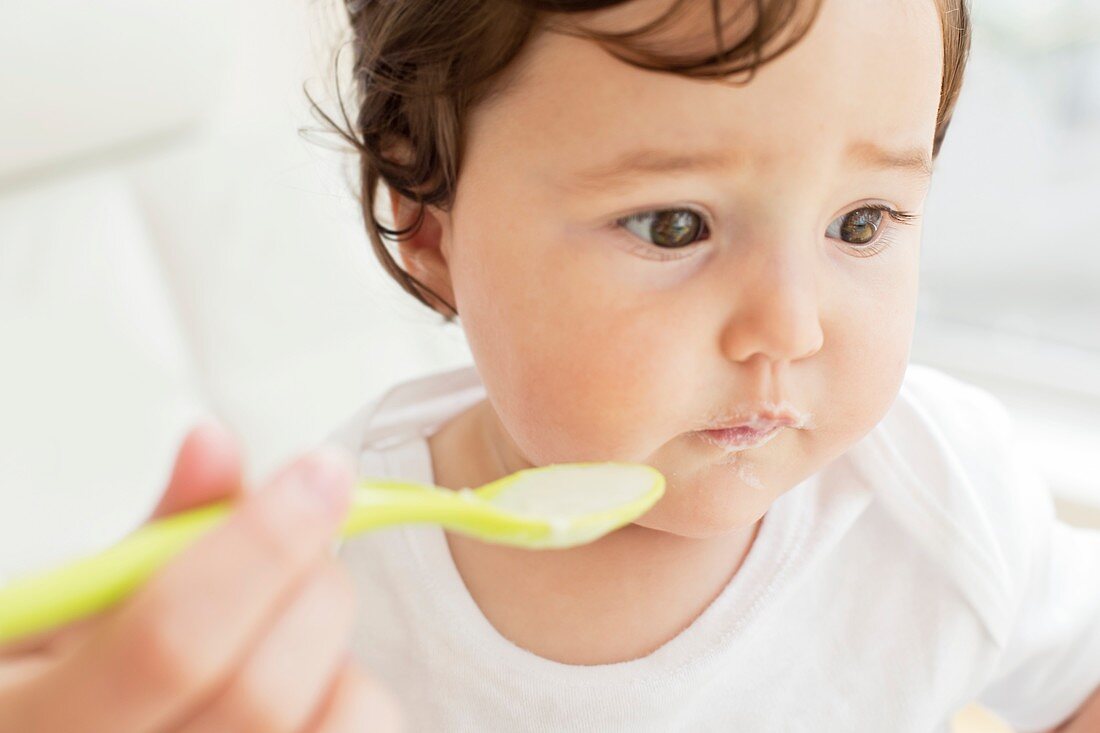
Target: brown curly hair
x=420 y=66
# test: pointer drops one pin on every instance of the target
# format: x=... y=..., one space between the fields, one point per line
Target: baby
x=687 y=234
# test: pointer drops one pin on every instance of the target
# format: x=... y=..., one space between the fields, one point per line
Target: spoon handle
x=91 y=584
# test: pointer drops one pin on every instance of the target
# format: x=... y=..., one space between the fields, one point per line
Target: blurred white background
x=1011 y=249
x=171 y=246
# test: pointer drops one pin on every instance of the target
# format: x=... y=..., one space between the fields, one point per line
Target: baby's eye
x=856 y=227
x=666 y=228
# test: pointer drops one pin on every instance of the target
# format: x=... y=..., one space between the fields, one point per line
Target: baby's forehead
x=866 y=71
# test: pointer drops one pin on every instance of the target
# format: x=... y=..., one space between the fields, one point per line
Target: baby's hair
x=421 y=66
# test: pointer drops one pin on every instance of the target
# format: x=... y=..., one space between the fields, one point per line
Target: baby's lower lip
x=740 y=438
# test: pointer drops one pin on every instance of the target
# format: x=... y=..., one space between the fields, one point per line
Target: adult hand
x=248 y=629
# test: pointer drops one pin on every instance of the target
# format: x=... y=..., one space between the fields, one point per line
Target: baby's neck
x=611 y=600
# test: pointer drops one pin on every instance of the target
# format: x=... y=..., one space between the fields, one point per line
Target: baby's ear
x=424 y=252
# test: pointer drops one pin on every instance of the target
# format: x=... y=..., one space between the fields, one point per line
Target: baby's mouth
x=743 y=437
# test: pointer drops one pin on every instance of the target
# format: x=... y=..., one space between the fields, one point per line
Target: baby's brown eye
x=856 y=227
x=667 y=228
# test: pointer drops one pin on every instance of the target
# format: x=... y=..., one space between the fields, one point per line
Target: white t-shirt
x=921 y=570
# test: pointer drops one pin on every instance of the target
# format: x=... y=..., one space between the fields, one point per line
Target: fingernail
x=213 y=431
x=326 y=476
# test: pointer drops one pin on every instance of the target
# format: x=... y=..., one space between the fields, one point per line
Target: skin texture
x=591 y=350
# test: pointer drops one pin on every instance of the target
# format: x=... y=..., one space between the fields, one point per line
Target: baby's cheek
x=866 y=358
x=583 y=387
x=578 y=367
x=590 y=400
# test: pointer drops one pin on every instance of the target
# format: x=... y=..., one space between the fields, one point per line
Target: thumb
x=207 y=468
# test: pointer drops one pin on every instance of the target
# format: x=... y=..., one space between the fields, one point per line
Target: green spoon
x=548 y=507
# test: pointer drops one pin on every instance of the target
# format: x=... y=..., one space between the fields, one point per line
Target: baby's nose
x=775 y=311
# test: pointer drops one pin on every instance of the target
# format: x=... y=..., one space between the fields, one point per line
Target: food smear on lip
x=735 y=441
x=741 y=437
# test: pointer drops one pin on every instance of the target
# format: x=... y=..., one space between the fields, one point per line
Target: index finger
x=207 y=468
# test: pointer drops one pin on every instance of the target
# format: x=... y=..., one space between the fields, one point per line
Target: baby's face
x=602 y=339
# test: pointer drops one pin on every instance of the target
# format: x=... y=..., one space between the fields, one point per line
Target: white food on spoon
x=565 y=495
x=575 y=492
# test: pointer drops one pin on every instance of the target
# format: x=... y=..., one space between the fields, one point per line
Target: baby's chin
x=705 y=497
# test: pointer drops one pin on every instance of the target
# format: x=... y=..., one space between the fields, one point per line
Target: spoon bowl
x=548 y=507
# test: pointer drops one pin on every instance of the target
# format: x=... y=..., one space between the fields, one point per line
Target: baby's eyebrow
x=914 y=160
x=634 y=164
